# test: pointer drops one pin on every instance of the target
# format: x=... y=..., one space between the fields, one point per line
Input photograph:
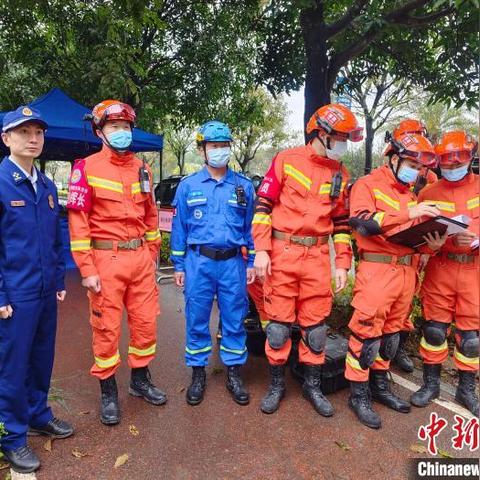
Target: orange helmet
x=336 y=119
x=414 y=147
x=111 y=110
x=410 y=125
x=455 y=147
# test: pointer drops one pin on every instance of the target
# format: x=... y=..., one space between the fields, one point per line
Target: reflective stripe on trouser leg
x=353 y=371
x=433 y=354
x=200 y=286
x=233 y=306
x=468 y=364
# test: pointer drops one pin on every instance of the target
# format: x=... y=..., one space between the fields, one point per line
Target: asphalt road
x=217 y=439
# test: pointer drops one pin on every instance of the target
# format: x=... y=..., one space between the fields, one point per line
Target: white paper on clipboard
x=453 y=228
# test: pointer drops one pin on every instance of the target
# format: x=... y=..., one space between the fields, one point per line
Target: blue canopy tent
x=69 y=137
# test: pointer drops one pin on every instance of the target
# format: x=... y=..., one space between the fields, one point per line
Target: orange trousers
x=298 y=290
x=382 y=299
x=127 y=278
x=255 y=290
x=450 y=290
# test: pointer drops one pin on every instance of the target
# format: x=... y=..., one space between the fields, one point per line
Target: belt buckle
x=310 y=241
x=462 y=257
x=132 y=244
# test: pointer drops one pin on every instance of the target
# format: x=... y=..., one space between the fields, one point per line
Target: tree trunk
x=317 y=90
x=369 y=135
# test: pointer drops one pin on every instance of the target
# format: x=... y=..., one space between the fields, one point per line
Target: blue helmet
x=214 y=131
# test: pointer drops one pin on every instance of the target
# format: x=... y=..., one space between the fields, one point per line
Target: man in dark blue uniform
x=212 y=222
x=32 y=273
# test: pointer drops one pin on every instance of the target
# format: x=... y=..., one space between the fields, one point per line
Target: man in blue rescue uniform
x=211 y=224
x=32 y=273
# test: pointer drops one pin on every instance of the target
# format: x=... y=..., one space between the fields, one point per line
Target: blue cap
x=22 y=115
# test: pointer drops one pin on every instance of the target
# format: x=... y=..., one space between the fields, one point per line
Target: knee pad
x=435 y=333
x=389 y=345
x=369 y=352
x=468 y=343
x=315 y=338
x=277 y=334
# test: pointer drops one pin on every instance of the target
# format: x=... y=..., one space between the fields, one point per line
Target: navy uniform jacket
x=207 y=213
x=31 y=255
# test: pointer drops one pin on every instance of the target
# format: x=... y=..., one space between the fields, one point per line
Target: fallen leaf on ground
x=85 y=412
x=217 y=370
x=133 y=430
x=121 y=460
x=445 y=454
x=342 y=445
x=3 y=466
x=48 y=445
x=182 y=389
x=78 y=454
x=417 y=448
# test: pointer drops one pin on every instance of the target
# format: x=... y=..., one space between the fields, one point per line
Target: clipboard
x=413 y=237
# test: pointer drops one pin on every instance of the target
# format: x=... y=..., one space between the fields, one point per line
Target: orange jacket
x=119 y=211
x=452 y=199
x=298 y=186
x=381 y=198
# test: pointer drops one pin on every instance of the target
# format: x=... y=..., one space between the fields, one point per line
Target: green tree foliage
x=186 y=58
x=433 y=43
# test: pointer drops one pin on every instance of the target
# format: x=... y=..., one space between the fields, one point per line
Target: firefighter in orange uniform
x=301 y=202
x=451 y=285
x=115 y=241
x=381 y=203
x=425 y=177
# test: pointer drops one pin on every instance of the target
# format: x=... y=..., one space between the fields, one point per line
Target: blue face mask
x=455 y=174
x=407 y=174
x=218 y=157
x=120 y=140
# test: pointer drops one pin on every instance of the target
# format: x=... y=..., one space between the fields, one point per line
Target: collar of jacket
x=116 y=158
x=320 y=160
x=17 y=175
x=393 y=181
x=468 y=178
x=228 y=178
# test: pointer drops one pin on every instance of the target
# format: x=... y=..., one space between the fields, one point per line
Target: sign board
x=165 y=217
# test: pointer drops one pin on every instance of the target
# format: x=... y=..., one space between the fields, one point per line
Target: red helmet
x=455 y=147
x=336 y=119
x=414 y=147
x=111 y=110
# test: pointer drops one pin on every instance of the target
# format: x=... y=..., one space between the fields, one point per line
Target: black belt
x=215 y=254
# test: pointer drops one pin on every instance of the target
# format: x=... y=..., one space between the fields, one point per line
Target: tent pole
x=160 y=159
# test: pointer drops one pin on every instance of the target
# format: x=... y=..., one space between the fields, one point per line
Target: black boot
x=381 y=392
x=22 y=460
x=141 y=386
x=110 y=410
x=235 y=385
x=312 y=391
x=276 y=389
x=466 y=392
x=361 y=404
x=431 y=385
x=401 y=359
x=196 y=390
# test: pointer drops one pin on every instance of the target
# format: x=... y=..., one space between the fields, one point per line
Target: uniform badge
x=76 y=176
x=17 y=203
x=16 y=176
x=51 y=201
x=27 y=112
x=197 y=214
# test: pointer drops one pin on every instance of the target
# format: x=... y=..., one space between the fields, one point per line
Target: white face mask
x=337 y=151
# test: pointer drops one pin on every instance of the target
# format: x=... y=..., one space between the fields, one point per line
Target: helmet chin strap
x=328 y=146
x=396 y=170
